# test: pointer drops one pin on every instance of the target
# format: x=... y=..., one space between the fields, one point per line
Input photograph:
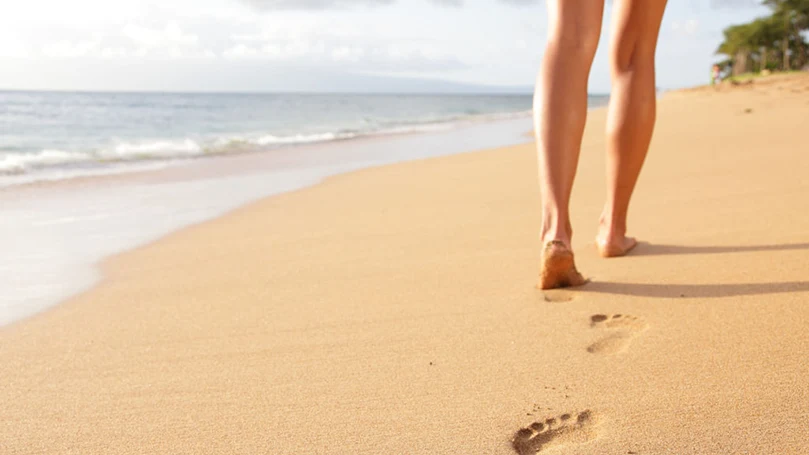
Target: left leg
x=561 y=110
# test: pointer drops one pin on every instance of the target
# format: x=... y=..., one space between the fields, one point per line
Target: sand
x=394 y=310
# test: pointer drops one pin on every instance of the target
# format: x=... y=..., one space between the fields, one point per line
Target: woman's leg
x=560 y=109
x=636 y=25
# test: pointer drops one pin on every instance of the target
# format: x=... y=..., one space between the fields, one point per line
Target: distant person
x=716 y=75
x=561 y=111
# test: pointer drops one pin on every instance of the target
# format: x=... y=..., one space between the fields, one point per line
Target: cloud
x=316 y=41
x=735 y=3
x=391 y=57
x=277 y=5
x=169 y=36
x=170 y=41
x=346 y=4
x=313 y=4
x=132 y=41
x=69 y=49
x=688 y=27
x=12 y=47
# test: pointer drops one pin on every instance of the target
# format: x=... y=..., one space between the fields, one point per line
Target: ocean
x=53 y=135
x=85 y=176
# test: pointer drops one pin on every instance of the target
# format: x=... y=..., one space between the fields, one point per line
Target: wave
x=19 y=163
x=270 y=139
x=153 y=150
x=15 y=163
x=91 y=162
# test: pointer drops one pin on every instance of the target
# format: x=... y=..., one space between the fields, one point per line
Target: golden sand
x=394 y=310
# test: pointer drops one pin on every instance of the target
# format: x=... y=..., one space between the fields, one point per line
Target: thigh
x=578 y=20
x=636 y=27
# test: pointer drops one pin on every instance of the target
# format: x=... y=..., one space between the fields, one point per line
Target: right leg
x=636 y=26
x=560 y=112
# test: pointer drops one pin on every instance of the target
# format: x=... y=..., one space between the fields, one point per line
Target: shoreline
x=80 y=165
x=333 y=158
x=160 y=166
x=393 y=309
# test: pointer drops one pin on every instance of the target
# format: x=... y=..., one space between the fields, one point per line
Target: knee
x=630 y=55
x=576 y=41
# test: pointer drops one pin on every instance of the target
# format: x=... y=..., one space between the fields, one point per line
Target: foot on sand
x=558 y=268
x=624 y=329
x=556 y=431
x=613 y=247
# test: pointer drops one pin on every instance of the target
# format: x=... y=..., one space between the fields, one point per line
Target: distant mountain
x=244 y=77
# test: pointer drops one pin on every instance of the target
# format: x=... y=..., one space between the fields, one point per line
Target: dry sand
x=393 y=310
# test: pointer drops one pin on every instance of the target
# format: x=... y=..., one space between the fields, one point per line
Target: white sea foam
x=20 y=163
x=270 y=139
x=152 y=150
x=16 y=168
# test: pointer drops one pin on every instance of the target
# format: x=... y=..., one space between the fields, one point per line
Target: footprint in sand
x=558 y=296
x=556 y=431
x=622 y=330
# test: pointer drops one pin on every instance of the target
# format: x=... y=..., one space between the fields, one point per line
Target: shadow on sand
x=676 y=291
x=651 y=249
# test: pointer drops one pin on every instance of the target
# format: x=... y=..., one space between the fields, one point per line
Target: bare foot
x=612 y=247
x=558 y=268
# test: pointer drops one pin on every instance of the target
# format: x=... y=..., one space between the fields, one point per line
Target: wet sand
x=394 y=310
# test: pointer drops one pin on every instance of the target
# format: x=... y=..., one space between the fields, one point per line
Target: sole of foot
x=558 y=268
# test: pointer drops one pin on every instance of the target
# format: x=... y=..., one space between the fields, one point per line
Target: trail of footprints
x=619 y=331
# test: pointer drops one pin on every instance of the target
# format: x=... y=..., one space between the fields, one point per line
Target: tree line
x=774 y=43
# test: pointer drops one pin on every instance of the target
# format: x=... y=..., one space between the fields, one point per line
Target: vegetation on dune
x=774 y=43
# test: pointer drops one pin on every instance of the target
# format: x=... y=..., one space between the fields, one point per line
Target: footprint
x=556 y=431
x=623 y=329
x=558 y=296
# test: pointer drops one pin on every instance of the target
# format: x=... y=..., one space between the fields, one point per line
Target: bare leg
x=636 y=26
x=560 y=109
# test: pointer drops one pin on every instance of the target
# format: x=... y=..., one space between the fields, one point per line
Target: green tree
x=793 y=16
x=739 y=44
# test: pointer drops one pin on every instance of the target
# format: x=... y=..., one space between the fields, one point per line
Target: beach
x=394 y=310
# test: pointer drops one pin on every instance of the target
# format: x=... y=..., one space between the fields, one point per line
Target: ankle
x=555 y=230
x=610 y=228
x=556 y=236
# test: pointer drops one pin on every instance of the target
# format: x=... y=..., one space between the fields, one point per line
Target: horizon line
x=504 y=92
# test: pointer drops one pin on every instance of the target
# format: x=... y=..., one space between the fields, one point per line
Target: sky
x=321 y=45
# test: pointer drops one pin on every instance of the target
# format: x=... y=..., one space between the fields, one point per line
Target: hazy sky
x=246 y=45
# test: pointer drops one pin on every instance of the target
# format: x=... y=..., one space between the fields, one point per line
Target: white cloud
x=688 y=27
x=314 y=40
x=393 y=56
x=347 y=54
x=403 y=37
x=241 y=50
x=113 y=52
x=170 y=36
x=12 y=47
x=133 y=41
x=69 y=49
